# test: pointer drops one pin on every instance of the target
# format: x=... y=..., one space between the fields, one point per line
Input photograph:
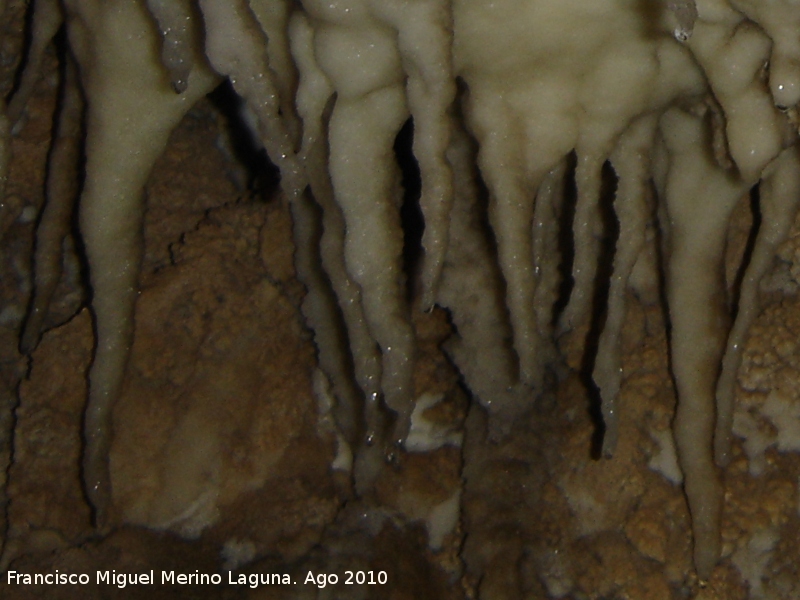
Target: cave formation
x=575 y=164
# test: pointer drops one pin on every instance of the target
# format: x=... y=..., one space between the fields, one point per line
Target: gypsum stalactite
x=608 y=80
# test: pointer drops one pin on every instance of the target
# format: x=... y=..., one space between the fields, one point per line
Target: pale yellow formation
x=631 y=161
x=46 y=21
x=62 y=179
x=700 y=197
x=531 y=101
x=61 y=192
x=385 y=61
x=273 y=18
x=780 y=20
x=471 y=284
x=370 y=286
x=314 y=94
x=178 y=43
x=779 y=196
x=547 y=211
x=236 y=47
x=131 y=111
x=732 y=53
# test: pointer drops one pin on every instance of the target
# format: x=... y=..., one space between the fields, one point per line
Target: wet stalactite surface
x=219 y=394
x=221 y=442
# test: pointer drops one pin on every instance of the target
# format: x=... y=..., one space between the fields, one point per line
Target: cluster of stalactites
x=676 y=99
x=680 y=104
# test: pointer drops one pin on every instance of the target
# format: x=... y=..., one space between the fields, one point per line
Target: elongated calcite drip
x=178 y=32
x=314 y=95
x=235 y=46
x=359 y=55
x=511 y=215
x=273 y=17
x=321 y=310
x=587 y=234
x=470 y=288
x=47 y=18
x=700 y=197
x=131 y=111
x=61 y=190
x=513 y=170
x=506 y=114
x=424 y=39
x=362 y=133
x=546 y=256
x=779 y=194
x=631 y=161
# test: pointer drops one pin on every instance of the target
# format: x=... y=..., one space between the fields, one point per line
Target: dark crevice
x=410 y=212
x=752 y=236
x=566 y=237
x=263 y=177
x=602 y=283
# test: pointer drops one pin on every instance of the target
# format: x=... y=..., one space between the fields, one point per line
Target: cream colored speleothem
x=675 y=96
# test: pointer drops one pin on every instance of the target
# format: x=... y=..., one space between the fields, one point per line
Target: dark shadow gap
x=602 y=283
x=752 y=236
x=263 y=177
x=566 y=237
x=411 y=217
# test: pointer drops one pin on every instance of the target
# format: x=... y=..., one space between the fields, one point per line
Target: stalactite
x=130 y=115
x=313 y=94
x=273 y=17
x=631 y=162
x=779 y=197
x=314 y=97
x=174 y=18
x=358 y=54
x=700 y=197
x=47 y=19
x=235 y=47
x=424 y=40
x=470 y=287
x=588 y=233
x=61 y=193
x=547 y=214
